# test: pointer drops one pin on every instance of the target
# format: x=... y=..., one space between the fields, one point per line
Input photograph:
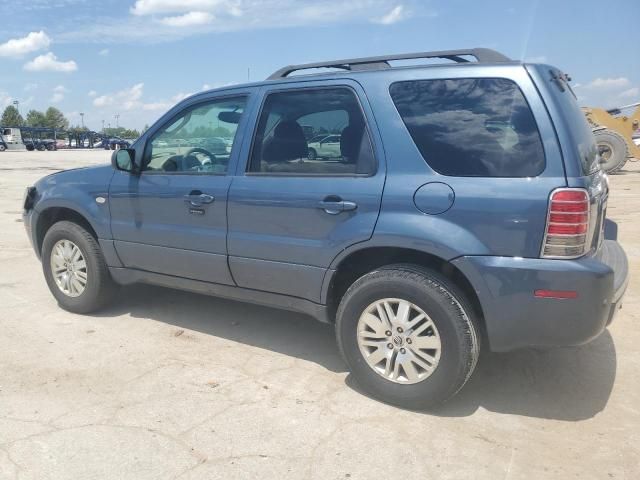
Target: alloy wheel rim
x=69 y=268
x=399 y=341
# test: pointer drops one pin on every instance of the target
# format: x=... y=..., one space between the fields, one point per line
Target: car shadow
x=280 y=331
x=568 y=384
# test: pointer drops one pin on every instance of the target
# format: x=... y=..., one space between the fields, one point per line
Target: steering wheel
x=189 y=156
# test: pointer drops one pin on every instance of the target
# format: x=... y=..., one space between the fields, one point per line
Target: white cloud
x=128 y=98
x=30 y=86
x=152 y=7
x=607 y=83
x=5 y=99
x=50 y=63
x=17 y=47
x=188 y=19
x=211 y=86
x=156 y=106
x=104 y=52
x=92 y=93
x=239 y=15
x=606 y=92
x=58 y=94
x=630 y=93
x=397 y=14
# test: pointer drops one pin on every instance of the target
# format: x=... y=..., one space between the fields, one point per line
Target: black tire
x=450 y=312
x=100 y=288
x=2 y=147
x=615 y=147
x=312 y=154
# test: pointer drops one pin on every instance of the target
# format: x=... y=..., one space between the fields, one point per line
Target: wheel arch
x=364 y=260
x=54 y=214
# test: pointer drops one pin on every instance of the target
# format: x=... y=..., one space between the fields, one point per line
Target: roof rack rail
x=482 y=55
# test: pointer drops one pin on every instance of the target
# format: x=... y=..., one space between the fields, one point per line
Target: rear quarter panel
x=490 y=216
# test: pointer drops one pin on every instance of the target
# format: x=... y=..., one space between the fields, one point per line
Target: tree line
x=54 y=118
x=51 y=118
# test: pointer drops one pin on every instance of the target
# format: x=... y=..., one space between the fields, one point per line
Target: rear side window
x=312 y=132
x=480 y=127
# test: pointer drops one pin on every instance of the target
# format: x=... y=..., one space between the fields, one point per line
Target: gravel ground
x=169 y=384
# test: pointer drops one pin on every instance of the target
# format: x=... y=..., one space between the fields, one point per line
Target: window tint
x=471 y=127
x=198 y=141
x=320 y=132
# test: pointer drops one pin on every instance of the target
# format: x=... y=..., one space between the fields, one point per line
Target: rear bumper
x=515 y=318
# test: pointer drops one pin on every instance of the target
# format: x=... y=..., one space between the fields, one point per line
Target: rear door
x=289 y=216
x=172 y=218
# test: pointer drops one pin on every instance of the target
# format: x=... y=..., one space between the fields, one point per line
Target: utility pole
x=82 y=119
x=116 y=116
x=103 y=126
x=17 y=105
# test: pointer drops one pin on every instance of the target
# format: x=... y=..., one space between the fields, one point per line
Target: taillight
x=567 y=226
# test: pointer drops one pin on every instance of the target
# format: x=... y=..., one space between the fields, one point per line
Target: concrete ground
x=167 y=384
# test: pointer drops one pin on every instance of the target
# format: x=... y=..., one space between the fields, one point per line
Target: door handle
x=336 y=206
x=197 y=198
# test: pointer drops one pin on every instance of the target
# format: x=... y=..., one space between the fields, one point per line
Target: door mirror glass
x=124 y=159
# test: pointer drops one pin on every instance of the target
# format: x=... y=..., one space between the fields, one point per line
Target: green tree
x=54 y=118
x=36 y=119
x=130 y=133
x=11 y=117
x=78 y=129
x=221 y=132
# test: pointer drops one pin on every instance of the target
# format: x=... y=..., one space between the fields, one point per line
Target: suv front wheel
x=75 y=269
x=407 y=335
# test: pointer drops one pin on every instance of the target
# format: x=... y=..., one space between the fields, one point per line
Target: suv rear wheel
x=407 y=335
x=75 y=269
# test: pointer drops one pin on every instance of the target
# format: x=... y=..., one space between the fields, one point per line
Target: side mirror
x=124 y=159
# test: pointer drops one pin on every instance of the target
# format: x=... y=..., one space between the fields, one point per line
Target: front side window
x=312 y=132
x=198 y=140
x=477 y=127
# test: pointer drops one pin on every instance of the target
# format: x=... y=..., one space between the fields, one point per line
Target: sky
x=137 y=58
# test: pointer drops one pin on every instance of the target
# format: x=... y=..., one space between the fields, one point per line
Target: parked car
x=431 y=236
x=215 y=145
x=113 y=143
x=40 y=145
x=327 y=147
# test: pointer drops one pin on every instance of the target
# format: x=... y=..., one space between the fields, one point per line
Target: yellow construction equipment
x=615 y=134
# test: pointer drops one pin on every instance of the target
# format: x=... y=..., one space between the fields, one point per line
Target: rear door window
x=474 y=127
x=312 y=131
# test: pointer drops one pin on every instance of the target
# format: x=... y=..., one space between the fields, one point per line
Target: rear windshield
x=473 y=127
x=581 y=134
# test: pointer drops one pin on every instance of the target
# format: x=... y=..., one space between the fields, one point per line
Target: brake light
x=567 y=224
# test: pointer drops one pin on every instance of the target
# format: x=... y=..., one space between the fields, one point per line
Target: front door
x=171 y=219
x=290 y=213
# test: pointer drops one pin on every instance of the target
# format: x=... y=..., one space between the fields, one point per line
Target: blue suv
x=463 y=206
